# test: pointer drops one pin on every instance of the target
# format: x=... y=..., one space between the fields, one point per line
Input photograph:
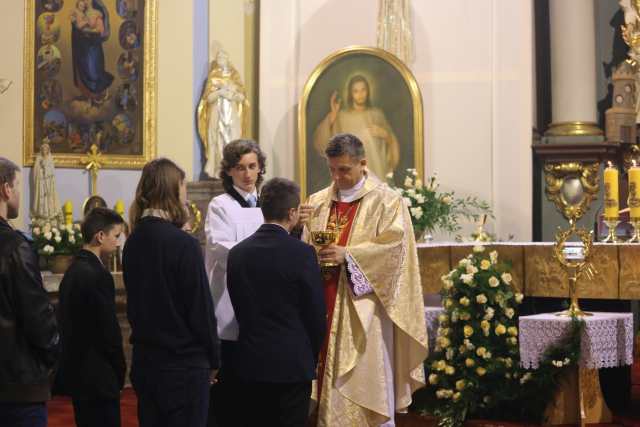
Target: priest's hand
x=332 y=253
x=305 y=214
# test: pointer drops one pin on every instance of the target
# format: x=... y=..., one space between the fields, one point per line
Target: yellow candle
x=634 y=191
x=67 y=209
x=119 y=207
x=611 y=200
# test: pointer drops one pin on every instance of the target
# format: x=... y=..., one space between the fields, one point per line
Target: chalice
x=324 y=238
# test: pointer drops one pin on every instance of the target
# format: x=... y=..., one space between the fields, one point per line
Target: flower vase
x=58 y=264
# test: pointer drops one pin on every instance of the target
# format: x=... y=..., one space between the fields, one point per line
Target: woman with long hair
x=173 y=327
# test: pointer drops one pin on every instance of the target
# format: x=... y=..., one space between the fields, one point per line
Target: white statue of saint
x=222 y=111
x=46 y=203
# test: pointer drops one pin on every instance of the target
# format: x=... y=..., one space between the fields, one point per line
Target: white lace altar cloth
x=606 y=342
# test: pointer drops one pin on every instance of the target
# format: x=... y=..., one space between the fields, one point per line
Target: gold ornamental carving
x=571 y=186
x=575 y=128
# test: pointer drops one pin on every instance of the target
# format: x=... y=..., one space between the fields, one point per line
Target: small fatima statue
x=46 y=203
x=222 y=111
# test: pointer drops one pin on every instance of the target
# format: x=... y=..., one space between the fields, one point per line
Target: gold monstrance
x=574 y=257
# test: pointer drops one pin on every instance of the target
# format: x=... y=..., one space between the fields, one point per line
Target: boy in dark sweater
x=92 y=367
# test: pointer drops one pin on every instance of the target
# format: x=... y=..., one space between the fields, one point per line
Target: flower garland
x=474 y=369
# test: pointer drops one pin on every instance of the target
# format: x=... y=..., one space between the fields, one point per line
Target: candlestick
x=67 y=209
x=611 y=199
x=119 y=207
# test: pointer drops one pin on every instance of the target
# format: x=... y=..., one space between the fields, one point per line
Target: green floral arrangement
x=432 y=210
x=60 y=240
x=474 y=370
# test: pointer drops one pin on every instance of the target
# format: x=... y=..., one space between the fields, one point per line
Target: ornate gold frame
x=556 y=173
x=149 y=98
x=409 y=79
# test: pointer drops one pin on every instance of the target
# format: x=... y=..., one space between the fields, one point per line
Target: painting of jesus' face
x=369 y=93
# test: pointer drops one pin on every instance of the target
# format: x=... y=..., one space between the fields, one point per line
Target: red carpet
x=61 y=411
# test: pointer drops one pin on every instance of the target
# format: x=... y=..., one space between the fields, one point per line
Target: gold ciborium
x=324 y=238
x=574 y=257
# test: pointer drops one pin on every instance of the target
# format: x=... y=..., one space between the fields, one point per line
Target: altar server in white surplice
x=231 y=217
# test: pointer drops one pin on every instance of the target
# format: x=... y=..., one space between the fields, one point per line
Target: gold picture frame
x=134 y=32
x=392 y=92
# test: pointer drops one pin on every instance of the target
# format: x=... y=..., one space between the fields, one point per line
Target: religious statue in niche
x=222 y=111
x=46 y=203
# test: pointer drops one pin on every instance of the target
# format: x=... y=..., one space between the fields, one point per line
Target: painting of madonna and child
x=371 y=94
x=87 y=72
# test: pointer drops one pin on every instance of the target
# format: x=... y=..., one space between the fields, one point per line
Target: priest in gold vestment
x=372 y=358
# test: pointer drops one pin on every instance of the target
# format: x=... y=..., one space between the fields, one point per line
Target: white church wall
x=473 y=65
x=182 y=59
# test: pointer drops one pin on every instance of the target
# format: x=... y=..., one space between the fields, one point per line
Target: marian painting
x=90 y=79
x=367 y=92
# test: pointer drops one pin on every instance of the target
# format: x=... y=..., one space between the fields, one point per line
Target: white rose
x=420 y=199
x=416 y=212
x=58 y=239
x=76 y=226
x=471 y=269
x=519 y=297
x=418 y=183
x=72 y=239
x=63 y=227
x=408 y=182
x=506 y=278
x=54 y=230
x=411 y=193
x=36 y=231
x=493 y=257
x=48 y=235
x=48 y=249
x=446 y=200
x=463 y=262
x=467 y=278
x=413 y=171
x=478 y=249
x=448 y=284
x=489 y=312
x=493 y=282
x=509 y=312
x=481 y=299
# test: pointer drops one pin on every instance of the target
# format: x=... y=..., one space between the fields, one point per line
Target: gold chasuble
x=355 y=384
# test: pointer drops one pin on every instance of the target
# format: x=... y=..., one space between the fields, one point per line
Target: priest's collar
x=349 y=195
x=246 y=195
x=358 y=191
